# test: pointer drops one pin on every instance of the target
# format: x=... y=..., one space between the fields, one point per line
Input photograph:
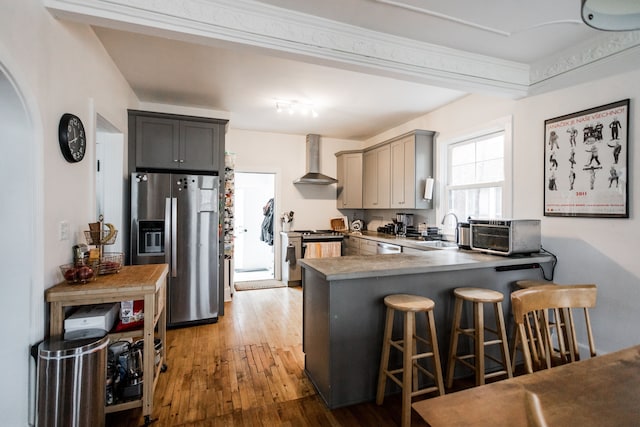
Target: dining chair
x=535 y=309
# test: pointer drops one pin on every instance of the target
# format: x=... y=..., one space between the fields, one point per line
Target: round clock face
x=73 y=141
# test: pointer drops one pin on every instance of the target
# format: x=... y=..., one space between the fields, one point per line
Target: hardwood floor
x=247 y=370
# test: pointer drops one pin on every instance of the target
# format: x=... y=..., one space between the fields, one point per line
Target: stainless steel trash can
x=71 y=382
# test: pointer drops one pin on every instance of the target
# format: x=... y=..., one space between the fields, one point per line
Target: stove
x=321 y=235
x=294 y=244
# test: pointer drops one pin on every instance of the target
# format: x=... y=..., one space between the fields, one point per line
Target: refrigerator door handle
x=168 y=241
x=174 y=237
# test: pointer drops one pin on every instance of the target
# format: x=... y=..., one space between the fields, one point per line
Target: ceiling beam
x=282 y=32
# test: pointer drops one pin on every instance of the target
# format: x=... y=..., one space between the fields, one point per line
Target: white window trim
x=503 y=124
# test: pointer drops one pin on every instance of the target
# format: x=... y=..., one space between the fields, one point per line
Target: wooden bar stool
x=478 y=297
x=409 y=305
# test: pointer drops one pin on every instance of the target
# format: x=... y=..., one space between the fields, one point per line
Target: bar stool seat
x=478 y=297
x=409 y=305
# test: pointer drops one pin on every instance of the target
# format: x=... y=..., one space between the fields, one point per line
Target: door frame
x=277 y=172
x=237 y=216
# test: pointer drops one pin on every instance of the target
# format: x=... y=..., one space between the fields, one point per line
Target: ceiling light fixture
x=611 y=15
x=293 y=107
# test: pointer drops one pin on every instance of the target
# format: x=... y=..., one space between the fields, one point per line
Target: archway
x=20 y=260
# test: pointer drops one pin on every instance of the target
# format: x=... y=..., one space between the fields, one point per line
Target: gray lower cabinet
x=351 y=245
x=164 y=141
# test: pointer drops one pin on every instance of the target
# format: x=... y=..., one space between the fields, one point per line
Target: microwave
x=505 y=236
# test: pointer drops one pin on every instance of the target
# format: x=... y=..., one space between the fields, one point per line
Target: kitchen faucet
x=447 y=214
x=456 y=224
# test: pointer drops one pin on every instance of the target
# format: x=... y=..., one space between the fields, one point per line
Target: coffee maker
x=124 y=371
x=402 y=222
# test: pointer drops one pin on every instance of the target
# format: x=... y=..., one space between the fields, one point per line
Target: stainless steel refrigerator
x=175 y=220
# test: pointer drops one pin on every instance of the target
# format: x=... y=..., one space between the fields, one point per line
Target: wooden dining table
x=601 y=391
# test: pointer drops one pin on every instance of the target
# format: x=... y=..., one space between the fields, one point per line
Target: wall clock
x=72 y=139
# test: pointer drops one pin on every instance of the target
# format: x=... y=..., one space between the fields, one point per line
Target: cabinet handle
x=175 y=160
x=181 y=161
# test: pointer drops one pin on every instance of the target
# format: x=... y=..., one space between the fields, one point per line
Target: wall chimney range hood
x=313 y=175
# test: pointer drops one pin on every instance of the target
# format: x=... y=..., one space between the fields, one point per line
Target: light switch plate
x=64 y=230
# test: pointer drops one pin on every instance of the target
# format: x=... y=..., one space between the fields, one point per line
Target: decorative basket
x=104 y=237
x=75 y=274
x=110 y=262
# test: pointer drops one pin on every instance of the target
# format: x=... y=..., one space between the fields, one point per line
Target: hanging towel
x=323 y=250
x=291 y=255
x=266 y=234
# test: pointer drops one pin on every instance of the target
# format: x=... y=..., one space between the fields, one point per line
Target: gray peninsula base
x=343 y=310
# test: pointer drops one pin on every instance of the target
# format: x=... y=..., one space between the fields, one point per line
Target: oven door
x=321 y=248
x=491 y=238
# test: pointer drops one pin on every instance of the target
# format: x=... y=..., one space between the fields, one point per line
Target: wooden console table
x=135 y=282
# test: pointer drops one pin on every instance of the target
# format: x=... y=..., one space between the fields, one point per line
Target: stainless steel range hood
x=313 y=175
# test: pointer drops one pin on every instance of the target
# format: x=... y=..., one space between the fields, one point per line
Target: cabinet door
x=403 y=173
x=384 y=176
x=376 y=182
x=370 y=181
x=198 y=146
x=349 y=190
x=352 y=245
x=157 y=143
x=368 y=247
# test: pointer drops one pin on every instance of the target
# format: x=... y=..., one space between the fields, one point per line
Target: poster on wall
x=586 y=163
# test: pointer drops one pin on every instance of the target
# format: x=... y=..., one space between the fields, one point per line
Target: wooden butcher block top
x=131 y=280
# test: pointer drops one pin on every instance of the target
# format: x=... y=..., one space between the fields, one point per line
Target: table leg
x=56 y=319
x=149 y=355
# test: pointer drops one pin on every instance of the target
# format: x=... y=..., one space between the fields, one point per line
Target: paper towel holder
x=428 y=189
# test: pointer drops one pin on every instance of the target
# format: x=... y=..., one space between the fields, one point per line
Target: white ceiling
x=220 y=69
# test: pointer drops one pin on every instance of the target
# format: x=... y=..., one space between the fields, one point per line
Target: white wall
x=284 y=155
x=601 y=251
x=60 y=67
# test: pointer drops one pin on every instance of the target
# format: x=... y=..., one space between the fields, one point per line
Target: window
x=477 y=175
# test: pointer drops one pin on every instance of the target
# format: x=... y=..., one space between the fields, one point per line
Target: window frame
x=443 y=145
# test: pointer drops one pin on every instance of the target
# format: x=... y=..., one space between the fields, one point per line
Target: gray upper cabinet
x=377 y=174
x=411 y=165
x=164 y=141
x=349 y=190
x=157 y=142
x=389 y=175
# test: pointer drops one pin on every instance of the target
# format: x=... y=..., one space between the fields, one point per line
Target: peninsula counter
x=343 y=309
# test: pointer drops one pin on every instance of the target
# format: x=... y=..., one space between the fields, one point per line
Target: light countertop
x=356 y=267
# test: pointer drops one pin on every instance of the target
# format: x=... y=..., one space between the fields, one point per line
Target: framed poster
x=586 y=163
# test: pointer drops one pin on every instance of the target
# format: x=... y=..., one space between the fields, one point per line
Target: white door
x=253 y=257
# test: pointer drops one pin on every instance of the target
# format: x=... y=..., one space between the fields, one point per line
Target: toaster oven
x=505 y=236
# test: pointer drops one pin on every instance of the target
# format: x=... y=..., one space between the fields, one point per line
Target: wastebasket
x=71 y=382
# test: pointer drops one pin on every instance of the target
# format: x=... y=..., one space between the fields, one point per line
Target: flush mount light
x=611 y=15
x=295 y=107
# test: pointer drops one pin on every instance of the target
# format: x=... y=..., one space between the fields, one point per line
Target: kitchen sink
x=437 y=244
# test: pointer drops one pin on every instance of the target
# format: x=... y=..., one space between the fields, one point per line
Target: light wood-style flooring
x=247 y=370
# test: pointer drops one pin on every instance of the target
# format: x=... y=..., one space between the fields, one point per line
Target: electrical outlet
x=64 y=230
